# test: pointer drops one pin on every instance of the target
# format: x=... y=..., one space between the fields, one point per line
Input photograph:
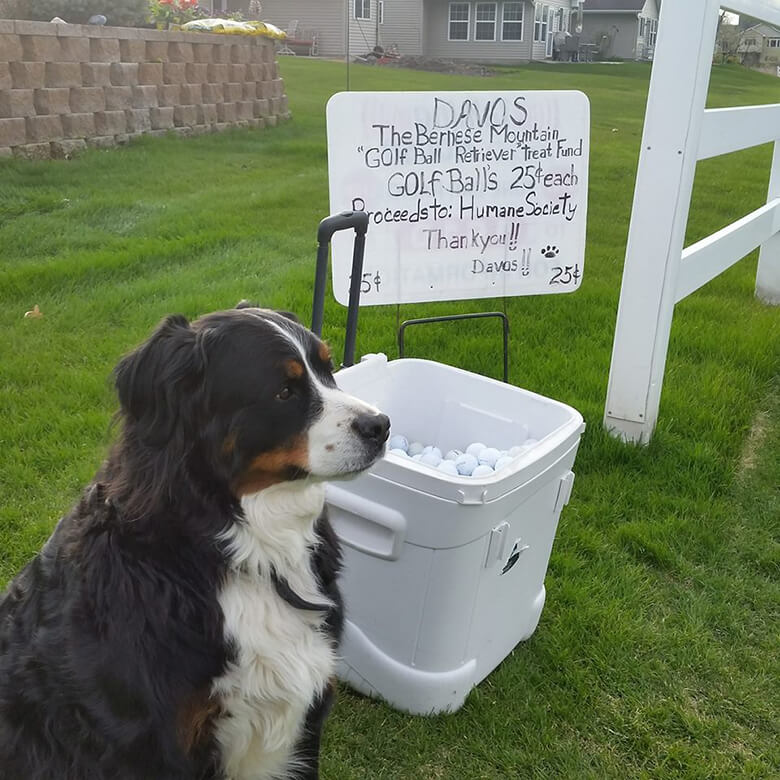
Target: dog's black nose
x=374 y=427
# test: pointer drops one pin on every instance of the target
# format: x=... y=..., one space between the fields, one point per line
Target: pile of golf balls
x=477 y=460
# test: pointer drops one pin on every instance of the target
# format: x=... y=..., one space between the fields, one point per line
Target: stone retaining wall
x=64 y=87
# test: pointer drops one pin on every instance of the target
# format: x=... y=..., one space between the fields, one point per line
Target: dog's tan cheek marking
x=270 y=468
x=195 y=719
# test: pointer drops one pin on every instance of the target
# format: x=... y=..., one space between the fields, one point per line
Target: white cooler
x=444 y=575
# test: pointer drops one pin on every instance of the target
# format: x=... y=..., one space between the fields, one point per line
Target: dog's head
x=251 y=393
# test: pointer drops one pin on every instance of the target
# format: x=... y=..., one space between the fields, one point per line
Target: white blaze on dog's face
x=273 y=398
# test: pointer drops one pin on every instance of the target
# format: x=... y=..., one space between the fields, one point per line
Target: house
x=621 y=28
x=760 y=45
x=499 y=32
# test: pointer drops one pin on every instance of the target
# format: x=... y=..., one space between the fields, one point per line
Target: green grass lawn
x=656 y=655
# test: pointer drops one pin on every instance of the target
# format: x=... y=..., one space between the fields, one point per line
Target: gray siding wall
x=403 y=26
x=622 y=30
x=362 y=32
x=326 y=17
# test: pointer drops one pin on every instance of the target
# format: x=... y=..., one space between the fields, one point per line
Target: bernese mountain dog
x=182 y=622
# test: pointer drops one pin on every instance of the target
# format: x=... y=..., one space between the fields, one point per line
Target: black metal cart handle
x=358 y=221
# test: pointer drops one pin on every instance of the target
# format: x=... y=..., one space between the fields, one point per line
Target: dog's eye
x=285 y=393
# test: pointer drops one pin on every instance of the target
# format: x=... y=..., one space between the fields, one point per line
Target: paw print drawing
x=550 y=251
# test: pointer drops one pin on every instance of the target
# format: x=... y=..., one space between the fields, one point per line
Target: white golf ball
x=530 y=442
x=515 y=451
x=448 y=467
x=489 y=456
x=418 y=456
x=465 y=464
x=431 y=449
x=453 y=454
x=483 y=470
x=430 y=458
x=415 y=448
x=502 y=463
x=396 y=451
x=398 y=442
x=475 y=448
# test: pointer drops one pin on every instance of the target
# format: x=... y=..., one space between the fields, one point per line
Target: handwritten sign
x=469 y=194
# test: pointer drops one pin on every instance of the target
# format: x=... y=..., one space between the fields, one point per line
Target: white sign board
x=469 y=194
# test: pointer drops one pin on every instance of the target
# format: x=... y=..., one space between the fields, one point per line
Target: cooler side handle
x=365 y=525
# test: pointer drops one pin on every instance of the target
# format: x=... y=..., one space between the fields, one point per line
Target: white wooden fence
x=658 y=273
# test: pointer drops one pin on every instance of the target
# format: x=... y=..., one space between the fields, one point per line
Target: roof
x=763 y=29
x=614 y=5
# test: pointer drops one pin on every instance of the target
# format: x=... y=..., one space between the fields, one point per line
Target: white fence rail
x=678 y=132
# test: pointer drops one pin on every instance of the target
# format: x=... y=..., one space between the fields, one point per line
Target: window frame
x=541 y=24
x=451 y=21
x=520 y=21
x=380 y=11
x=365 y=7
x=478 y=21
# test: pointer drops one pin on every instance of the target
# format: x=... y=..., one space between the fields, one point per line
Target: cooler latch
x=496 y=545
x=564 y=491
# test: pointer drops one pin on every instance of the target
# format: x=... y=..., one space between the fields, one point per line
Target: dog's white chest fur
x=283 y=657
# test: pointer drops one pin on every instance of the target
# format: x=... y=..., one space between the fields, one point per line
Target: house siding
x=403 y=26
x=362 y=32
x=326 y=18
x=436 y=26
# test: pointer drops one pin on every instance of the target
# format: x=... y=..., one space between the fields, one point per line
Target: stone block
x=221 y=54
x=240 y=52
x=183 y=130
x=67 y=149
x=237 y=73
x=196 y=72
x=159 y=133
x=6 y=151
x=124 y=74
x=37 y=151
x=162 y=118
x=191 y=94
x=185 y=116
x=249 y=90
x=27 y=75
x=233 y=92
x=156 y=51
x=5 y=76
x=213 y=93
x=44 y=128
x=17 y=102
x=244 y=109
x=257 y=54
x=150 y=72
x=139 y=120
x=180 y=52
x=271 y=120
x=255 y=72
x=169 y=94
x=78 y=125
x=201 y=129
x=257 y=124
x=52 y=101
x=261 y=107
x=284 y=107
x=227 y=112
x=144 y=97
x=207 y=114
x=12 y=131
x=124 y=138
x=96 y=74
x=101 y=142
x=132 y=50
x=278 y=87
x=264 y=89
x=103 y=50
x=110 y=122
x=203 y=52
x=220 y=127
x=217 y=73
x=40 y=48
x=85 y=99
x=74 y=49
x=10 y=47
x=173 y=73
x=63 y=74
x=274 y=106
x=118 y=98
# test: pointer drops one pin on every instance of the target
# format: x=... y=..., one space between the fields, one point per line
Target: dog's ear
x=289 y=315
x=155 y=381
x=245 y=304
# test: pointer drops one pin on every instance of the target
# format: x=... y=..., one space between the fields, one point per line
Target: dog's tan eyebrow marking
x=294 y=369
x=324 y=352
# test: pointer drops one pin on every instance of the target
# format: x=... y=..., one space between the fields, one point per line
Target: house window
x=653 y=32
x=541 y=16
x=381 y=11
x=512 y=22
x=642 y=24
x=774 y=43
x=485 y=22
x=459 y=21
x=362 y=9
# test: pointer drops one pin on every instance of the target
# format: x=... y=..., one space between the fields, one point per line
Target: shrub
x=120 y=13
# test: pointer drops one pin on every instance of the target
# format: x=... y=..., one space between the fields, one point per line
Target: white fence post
x=768 y=275
x=667 y=164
